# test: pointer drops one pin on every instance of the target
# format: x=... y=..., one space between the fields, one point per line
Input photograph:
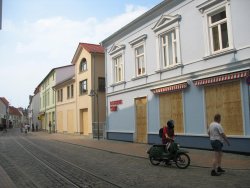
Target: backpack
x=160 y=132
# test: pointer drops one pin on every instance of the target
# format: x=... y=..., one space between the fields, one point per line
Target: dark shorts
x=216 y=145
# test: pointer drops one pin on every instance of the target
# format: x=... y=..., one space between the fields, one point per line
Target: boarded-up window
x=226 y=100
x=171 y=107
x=141 y=120
x=60 y=121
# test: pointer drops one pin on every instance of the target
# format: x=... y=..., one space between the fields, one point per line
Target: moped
x=159 y=153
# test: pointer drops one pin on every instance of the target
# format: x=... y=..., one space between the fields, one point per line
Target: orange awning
x=170 y=88
x=222 y=78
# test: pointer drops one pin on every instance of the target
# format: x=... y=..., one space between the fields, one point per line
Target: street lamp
x=93 y=93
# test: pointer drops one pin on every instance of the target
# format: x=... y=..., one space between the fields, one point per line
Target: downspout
x=94 y=107
x=106 y=97
x=55 y=118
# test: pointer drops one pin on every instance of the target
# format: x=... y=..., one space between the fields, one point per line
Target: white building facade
x=183 y=60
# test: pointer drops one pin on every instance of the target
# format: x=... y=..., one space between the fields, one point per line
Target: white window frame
x=138 y=63
x=118 y=68
x=208 y=9
x=167 y=47
x=117 y=51
x=166 y=25
x=136 y=44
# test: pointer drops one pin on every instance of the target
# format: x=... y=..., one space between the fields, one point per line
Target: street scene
x=130 y=93
x=39 y=159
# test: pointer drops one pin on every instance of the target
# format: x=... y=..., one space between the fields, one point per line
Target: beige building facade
x=66 y=106
x=90 y=78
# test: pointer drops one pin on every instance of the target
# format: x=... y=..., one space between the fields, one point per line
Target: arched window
x=83 y=65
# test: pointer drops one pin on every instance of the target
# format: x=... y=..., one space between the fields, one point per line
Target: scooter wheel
x=154 y=161
x=182 y=160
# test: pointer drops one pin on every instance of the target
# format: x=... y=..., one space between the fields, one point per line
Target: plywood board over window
x=141 y=119
x=60 y=121
x=171 y=107
x=225 y=99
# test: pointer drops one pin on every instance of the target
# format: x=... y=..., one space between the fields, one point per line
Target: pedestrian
x=26 y=128
x=36 y=126
x=217 y=138
x=49 y=126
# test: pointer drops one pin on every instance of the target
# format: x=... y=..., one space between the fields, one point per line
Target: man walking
x=217 y=137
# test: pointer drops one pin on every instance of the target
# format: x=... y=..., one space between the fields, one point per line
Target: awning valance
x=170 y=88
x=222 y=78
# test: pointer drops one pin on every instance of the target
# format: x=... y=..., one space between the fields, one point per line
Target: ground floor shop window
x=225 y=99
x=171 y=107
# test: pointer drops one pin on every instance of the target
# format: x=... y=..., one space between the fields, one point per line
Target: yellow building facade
x=90 y=76
x=77 y=111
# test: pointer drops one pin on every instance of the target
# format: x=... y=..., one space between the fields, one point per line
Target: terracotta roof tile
x=92 y=48
x=14 y=111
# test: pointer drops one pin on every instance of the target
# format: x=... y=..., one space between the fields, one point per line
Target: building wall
x=2 y=109
x=84 y=101
x=196 y=62
x=66 y=111
x=36 y=110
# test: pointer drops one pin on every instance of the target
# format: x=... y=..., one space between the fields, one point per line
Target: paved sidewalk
x=199 y=158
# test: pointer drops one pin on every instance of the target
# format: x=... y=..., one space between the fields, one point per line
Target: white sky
x=39 y=35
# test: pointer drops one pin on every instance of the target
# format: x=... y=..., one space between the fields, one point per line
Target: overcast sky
x=39 y=35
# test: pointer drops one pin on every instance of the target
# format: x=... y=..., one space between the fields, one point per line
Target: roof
x=92 y=48
x=5 y=101
x=149 y=15
x=14 y=111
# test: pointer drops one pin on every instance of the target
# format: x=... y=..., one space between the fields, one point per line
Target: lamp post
x=93 y=93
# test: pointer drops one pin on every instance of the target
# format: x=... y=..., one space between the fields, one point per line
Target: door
x=84 y=122
x=141 y=119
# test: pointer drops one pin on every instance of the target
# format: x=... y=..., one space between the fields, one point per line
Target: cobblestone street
x=48 y=160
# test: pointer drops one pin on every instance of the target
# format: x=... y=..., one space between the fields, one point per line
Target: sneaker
x=214 y=173
x=219 y=169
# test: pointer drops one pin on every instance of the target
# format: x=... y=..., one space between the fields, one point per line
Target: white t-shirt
x=215 y=129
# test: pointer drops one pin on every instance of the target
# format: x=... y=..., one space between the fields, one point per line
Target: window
x=83 y=87
x=117 y=53
x=169 y=49
x=101 y=84
x=118 y=69
x=70 y=91
x=139 y=59
x=218 y=35
x=218 y=31
x=60 y=95
x=168 y=42
x=138 y=44
x=83 y=65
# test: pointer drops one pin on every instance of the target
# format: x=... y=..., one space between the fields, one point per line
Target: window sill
x=233 y=50
x=82 y=71
x=169 y=68
x=139 y=77
x=118 y=83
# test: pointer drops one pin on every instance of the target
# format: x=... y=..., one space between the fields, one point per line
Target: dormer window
x=83 y=65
